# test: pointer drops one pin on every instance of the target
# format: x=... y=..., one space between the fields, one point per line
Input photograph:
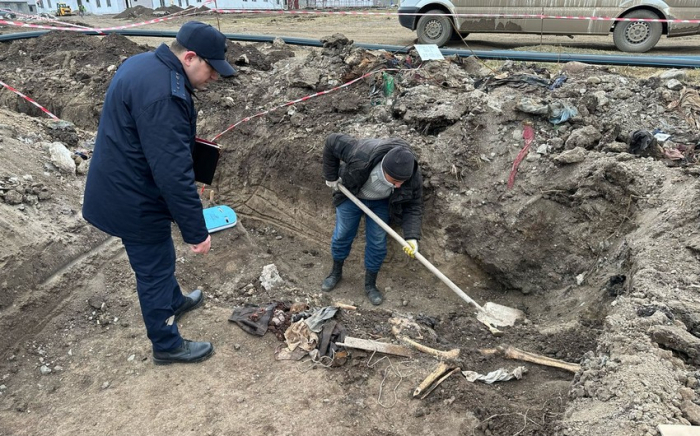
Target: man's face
x=198 y=70
x=393 y=181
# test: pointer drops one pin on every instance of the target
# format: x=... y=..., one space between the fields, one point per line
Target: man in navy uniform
x=384 y=175
x=141 y=177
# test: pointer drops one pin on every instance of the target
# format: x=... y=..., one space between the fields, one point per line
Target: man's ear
x=189 y=56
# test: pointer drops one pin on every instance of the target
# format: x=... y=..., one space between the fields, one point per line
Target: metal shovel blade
x=499 y=315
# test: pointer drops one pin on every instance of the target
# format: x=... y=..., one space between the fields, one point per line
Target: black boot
x=334 y=277
x=187 y=352
x=371 y=288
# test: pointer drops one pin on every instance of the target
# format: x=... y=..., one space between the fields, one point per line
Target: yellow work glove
x=412 y=247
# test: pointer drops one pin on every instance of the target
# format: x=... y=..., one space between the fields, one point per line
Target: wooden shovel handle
x=403 y=243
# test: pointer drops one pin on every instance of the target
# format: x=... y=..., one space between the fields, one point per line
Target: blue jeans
x=347 y=221
x=159 y=292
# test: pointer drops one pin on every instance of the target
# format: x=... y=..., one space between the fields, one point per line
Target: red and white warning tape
x=94 y=29
x=299 y=100
x=50 y=20
x=536 y=16
x=43 y=109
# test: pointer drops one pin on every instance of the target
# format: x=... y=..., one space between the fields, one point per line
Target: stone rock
x=13 y=197
x=623 y=94
x=83 y=166
x=61 y=157
x=675 y=338
x=691 y=412
x=335 y=40
x=575 y=67
x=576 y=155
x=616 y=147
x=602 y=99
x=304 y=78
x=270 y=277
x=474 y=67
x=429 y=107
x=674 y=85
x=278 y=43
x=672 y=74
x=586 y=137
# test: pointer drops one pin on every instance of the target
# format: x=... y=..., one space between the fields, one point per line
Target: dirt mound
x=167 y=10
x=79 y=68
x=598 y=245
x=135 y=12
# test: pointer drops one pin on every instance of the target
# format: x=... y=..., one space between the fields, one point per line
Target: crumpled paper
x=299 y=335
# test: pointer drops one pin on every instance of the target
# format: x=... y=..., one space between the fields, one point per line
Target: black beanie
x=398 y=163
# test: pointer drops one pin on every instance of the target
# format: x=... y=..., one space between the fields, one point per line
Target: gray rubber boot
x=374 y=295
x=334 y=277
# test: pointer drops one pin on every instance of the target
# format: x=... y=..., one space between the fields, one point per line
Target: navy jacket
x=140 y=177
x=352 y=160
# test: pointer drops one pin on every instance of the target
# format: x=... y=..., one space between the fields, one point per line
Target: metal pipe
x=525 y=56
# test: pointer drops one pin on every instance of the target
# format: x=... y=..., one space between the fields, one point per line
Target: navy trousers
x=347 y=221
x=159 y=292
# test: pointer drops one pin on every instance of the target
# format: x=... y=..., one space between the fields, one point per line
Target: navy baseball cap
x=208 y=43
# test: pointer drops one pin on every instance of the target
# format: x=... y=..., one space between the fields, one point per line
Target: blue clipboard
x=219 y=218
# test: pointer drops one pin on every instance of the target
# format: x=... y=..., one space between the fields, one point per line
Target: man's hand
x=334 y=185
x=412 y=248
x=202 y=247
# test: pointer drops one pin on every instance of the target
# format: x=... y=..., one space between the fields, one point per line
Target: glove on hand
x=334 y=185
x=412 y=249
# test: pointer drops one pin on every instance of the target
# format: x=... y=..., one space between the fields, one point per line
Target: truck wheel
x=637 y=36
x=434 y=29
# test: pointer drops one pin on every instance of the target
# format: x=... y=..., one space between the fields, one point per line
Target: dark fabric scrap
x=253 y=319
x=642 y=143
x=332 y=332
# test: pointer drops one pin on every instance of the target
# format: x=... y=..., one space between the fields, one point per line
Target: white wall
x=244 y=4
x=103 y=6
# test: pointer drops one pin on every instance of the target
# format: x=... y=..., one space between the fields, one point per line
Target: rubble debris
x=567 y=157
x=677 y=339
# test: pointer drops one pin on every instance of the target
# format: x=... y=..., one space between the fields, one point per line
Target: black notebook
x=205 y=157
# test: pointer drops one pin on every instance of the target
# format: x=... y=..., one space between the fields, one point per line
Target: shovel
x=492 y=315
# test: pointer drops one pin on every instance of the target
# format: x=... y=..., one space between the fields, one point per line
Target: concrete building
x=21 y=6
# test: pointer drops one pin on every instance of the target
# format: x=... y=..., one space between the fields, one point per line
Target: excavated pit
x=599 y=248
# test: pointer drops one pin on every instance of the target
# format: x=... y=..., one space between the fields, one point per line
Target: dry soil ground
x=599 y=246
